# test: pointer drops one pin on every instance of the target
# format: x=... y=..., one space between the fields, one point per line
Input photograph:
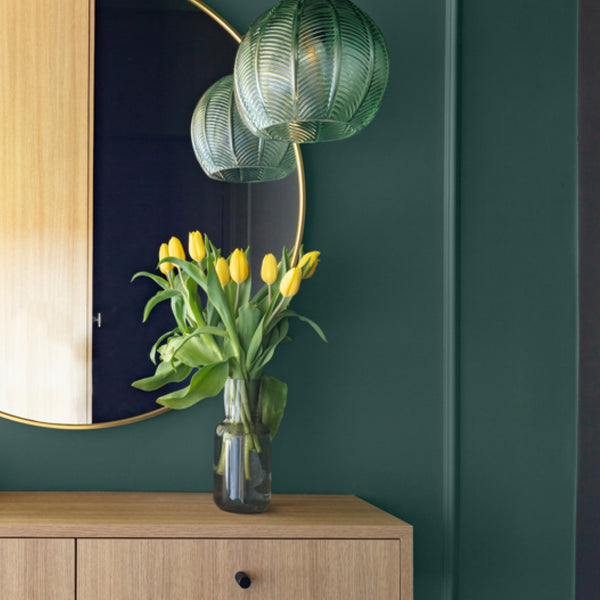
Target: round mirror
x=152 y=64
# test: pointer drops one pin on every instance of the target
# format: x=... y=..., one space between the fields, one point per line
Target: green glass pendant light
x=226 y=149
x=311 y=71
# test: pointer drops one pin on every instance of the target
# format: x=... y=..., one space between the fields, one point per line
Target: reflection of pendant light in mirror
x=226 y=149
x=311 y=71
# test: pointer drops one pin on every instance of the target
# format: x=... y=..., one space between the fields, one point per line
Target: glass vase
x=242 y=461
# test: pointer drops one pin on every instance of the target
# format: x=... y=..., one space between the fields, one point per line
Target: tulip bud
x=163 y=253
x=222 y=269
x=308 y=263
x=196 y=246
x=238 y=266
x=290 y=284
x=176 y=249
x=268 y=271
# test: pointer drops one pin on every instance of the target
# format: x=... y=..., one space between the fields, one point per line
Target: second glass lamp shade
x=226 y=149
x=311 y=71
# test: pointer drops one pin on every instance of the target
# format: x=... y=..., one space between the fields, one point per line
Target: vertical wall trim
x=587 y=541
x=450 y=315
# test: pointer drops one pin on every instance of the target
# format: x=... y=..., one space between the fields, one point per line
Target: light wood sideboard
x=164 y=546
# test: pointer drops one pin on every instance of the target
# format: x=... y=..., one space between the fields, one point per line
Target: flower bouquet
x=223 y=333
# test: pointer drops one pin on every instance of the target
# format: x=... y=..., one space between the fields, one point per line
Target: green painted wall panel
x=365 y=411
x=518 y=334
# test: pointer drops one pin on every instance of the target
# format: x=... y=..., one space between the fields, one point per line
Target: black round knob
x=243 y=580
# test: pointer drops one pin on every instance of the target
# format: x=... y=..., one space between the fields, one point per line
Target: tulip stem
x=270 y=295
x=237 y=297
x=220 y=467
x=186 y=292
x=247 y=471
x=275 y=311
x=247 y=421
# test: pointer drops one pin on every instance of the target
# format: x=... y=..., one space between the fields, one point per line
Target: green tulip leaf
x=216 y=297
x=263 y=359
x=279 y=335
x=205 y=383
x=157 y=299
x=167 y=351
x=291 y=313
x=245 y=289
x=165 y=373
x=285 y=261
x=279 y=316
x=247 y=324
x=194 y=351
x=178 y=310
x=230 y=291
x=273 y=395
x=211 y=330
x=212 y=316
x=317 y=329
x=255 y=343
x=230 y=352
x=189 y=268
x=193 y=302
x=158 y=341
x=163 y=283
x=216 y=252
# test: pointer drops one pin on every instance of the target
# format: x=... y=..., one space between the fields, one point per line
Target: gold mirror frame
x=297 y=242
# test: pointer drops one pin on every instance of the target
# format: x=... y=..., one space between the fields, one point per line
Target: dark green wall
x=366 y=411
x=518 y=299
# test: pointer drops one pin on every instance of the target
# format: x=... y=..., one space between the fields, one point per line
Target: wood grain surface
x=45 y=183
x=141 y=514
x=205 y=569
x=37 y=569
x=166 y=545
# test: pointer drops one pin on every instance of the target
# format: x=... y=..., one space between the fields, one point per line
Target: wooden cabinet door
x=37 y=569
x=205 y=569
x=45 y=183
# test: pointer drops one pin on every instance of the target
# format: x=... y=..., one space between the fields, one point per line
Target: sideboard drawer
x=39 y=569
x=192 y=569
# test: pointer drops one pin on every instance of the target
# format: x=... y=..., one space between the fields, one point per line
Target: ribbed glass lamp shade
x=311 y=71
x=226 y=149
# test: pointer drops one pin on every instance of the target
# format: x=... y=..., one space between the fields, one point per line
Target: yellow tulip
x=308 y=263
x=268 y=271
x=238 y=266
x=196 y=246
x=222 y=269
x=290 y=284
x=163 y=252
x=176 y=248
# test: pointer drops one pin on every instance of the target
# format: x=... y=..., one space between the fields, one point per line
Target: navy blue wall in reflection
x=151 y=68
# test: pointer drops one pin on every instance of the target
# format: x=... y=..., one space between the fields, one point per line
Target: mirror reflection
x=152 y=66
x=153 y=61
